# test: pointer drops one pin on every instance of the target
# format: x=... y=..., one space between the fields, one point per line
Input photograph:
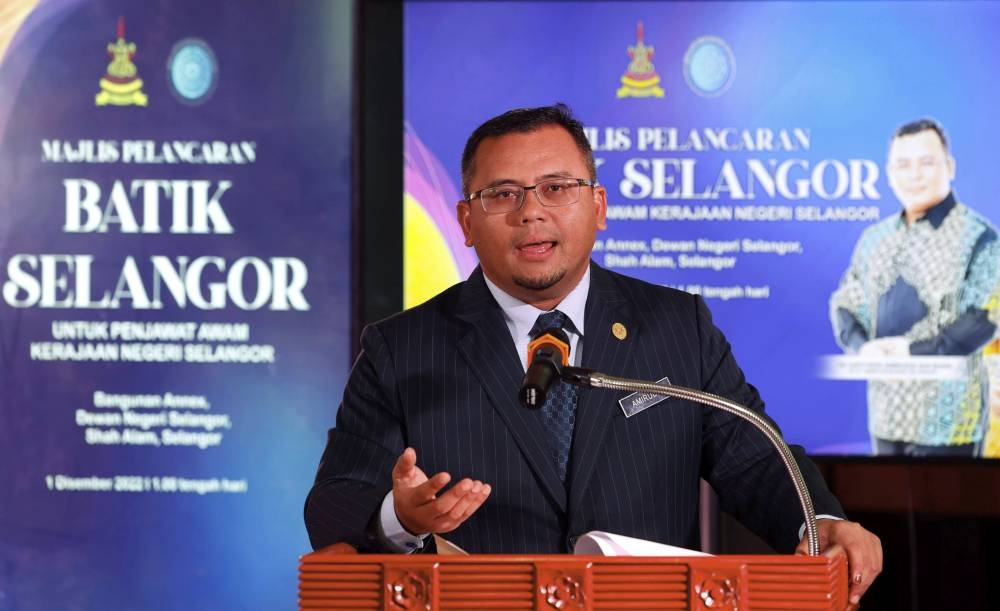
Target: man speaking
x=434 y=394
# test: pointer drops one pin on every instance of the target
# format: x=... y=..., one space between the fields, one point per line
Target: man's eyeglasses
x=551 y=193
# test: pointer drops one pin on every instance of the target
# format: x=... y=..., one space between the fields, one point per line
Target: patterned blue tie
x=559 y=409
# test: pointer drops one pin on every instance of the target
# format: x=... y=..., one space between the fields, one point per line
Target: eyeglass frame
x=581 y=182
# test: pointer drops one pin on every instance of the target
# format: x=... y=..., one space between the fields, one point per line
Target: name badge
x=639 y=401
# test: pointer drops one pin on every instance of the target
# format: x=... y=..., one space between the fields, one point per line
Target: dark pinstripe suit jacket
x=443 y=378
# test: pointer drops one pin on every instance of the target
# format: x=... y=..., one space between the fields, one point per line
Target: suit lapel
x=605 y=353
x=489 y=351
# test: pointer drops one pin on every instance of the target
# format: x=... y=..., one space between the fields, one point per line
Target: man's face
x=537 y=253
x=920 y=171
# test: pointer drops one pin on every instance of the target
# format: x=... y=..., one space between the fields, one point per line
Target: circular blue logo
x=709 y=66
x=192 y=71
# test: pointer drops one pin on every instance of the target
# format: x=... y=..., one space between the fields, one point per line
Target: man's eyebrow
x=559 y=174
x=914 y=157
x=500 y=181
x=511 y=181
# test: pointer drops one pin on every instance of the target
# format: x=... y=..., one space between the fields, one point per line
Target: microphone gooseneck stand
x=593 y=379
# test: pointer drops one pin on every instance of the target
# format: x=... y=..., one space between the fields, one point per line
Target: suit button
x=571 y=542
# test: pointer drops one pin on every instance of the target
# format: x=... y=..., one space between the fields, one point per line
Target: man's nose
x=532 y=208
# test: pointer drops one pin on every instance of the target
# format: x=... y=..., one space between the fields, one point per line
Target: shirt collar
x=524 y=315
x=936 y=214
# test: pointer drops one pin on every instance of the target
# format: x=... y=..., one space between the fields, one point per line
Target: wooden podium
x=339 y=578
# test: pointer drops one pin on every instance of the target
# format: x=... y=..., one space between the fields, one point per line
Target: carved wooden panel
x=719 y=588
x=335 y=580
x=563 y=586
x=409 y=589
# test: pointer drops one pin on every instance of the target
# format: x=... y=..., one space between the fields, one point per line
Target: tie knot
x=548 y=320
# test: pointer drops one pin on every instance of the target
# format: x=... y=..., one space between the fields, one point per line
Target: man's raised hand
x=419 y=507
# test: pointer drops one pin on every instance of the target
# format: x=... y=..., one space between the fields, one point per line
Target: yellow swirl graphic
x=428 y=267
x=12 y=15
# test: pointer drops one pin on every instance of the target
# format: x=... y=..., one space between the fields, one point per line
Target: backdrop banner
x=743 y=146
x=174 y=235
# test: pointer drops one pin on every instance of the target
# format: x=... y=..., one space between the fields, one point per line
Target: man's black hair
x=522 y=121
x=922 y=125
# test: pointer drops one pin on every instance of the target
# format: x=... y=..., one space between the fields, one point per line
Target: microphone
x=548 y=351
x=588 y=378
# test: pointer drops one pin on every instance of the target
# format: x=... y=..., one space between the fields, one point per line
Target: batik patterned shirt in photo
x=935 y=283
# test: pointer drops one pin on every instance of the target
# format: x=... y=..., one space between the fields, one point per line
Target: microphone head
x=535 y=386
x=548 y=352
x=551 y=343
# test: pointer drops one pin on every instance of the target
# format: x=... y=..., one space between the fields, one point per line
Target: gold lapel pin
x=619 y=330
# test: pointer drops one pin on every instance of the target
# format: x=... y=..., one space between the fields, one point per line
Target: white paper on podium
x=447 y=548
x=599 y=543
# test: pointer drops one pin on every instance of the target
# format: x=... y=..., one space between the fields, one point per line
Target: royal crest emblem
x=640 y=79
x=121 y=86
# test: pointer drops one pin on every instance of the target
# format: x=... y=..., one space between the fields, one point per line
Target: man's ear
x=951 y=167
x=463 y=212
x=601 y=207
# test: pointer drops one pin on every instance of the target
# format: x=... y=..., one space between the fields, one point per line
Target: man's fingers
x=864 y=555
x=427 y=491
x=455 y=494
x=862 y=549
x=859 y=585
x=467 y=500
x=834 y=550
x=864 y=562
x=414 y=504
x=467 y=497
x=802 y=549
x=859 y=577
x=405 y=464
x=420 y=505
x=484 y=493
